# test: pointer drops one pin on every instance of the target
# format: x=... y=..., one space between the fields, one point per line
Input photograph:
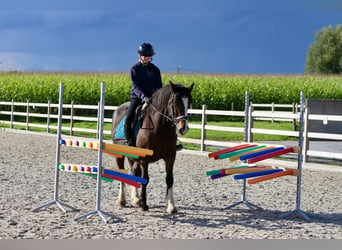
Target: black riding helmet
x=146 y=49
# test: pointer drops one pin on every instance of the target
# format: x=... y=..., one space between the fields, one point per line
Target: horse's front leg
x=170 y=204
x=143 y=200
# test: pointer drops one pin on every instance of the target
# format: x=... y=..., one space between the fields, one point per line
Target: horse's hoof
x=144 y=207
x=121 y=203
x=135 y=202
x=172 y=211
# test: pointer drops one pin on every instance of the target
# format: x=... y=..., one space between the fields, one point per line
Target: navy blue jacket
x=146 y=79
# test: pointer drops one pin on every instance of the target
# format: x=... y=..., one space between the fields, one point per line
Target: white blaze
x=185 y=102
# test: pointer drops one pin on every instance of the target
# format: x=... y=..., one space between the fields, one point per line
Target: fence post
x=27 y=115
x=72 y=118
x=250 y=124
x=48 y=120
x=203 y=130
x=272 y=110
x=12 y=115
x=294 y=111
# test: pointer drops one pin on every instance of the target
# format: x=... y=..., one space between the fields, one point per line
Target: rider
x=146 y=79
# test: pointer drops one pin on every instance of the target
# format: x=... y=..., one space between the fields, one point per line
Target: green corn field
x=216 y=91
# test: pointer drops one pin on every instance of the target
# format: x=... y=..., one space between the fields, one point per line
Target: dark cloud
x=202 y=36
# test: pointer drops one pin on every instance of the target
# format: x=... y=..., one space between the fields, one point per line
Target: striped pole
x=227 y=150
x=254 y=174
x=270 y=155
x=266 y=151
x=256 y=149
x=270 y=176
x=236 y=152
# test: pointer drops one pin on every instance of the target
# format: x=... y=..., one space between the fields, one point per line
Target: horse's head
x=179 y=103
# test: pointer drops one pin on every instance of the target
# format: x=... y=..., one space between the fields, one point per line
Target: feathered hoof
x=171 y=210
x=135 y=202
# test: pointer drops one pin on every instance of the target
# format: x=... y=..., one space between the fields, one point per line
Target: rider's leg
x=128 y=127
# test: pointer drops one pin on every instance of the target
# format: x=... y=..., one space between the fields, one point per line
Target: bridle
x=174 y=120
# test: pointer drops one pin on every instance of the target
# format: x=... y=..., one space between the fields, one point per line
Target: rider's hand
x=146 y=99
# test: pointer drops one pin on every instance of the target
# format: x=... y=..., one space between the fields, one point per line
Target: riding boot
x=129 y=135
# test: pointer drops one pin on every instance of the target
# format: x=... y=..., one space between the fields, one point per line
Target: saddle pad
x=120 y=130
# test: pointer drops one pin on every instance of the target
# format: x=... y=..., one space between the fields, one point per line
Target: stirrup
x=129 y=143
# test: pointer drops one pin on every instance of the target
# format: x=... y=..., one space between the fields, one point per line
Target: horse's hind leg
x=170 y=204
x=135 y=169
x=142 y=171
x=121 y=201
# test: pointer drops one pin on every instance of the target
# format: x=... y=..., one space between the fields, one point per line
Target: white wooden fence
x=10 y=117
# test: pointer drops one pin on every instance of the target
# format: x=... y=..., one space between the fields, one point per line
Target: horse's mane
x=161 y=97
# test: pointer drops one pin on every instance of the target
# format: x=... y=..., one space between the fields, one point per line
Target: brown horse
x=164 y=118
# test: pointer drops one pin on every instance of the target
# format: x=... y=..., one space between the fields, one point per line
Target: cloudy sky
x=194 y=36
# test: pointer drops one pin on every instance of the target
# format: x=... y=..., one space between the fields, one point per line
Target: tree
x=325 y=53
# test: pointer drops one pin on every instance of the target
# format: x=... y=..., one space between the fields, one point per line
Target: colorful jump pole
x=262 y=152
x=109 y=148
x=237 y=152
x=270 y=176
x=56 y=200
x=259 y=173
x=227 y=150
x=219 y=173
x=127 y=149
x=260 y=148
x=245 y=170
x=112 y=174
x=272 y=154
